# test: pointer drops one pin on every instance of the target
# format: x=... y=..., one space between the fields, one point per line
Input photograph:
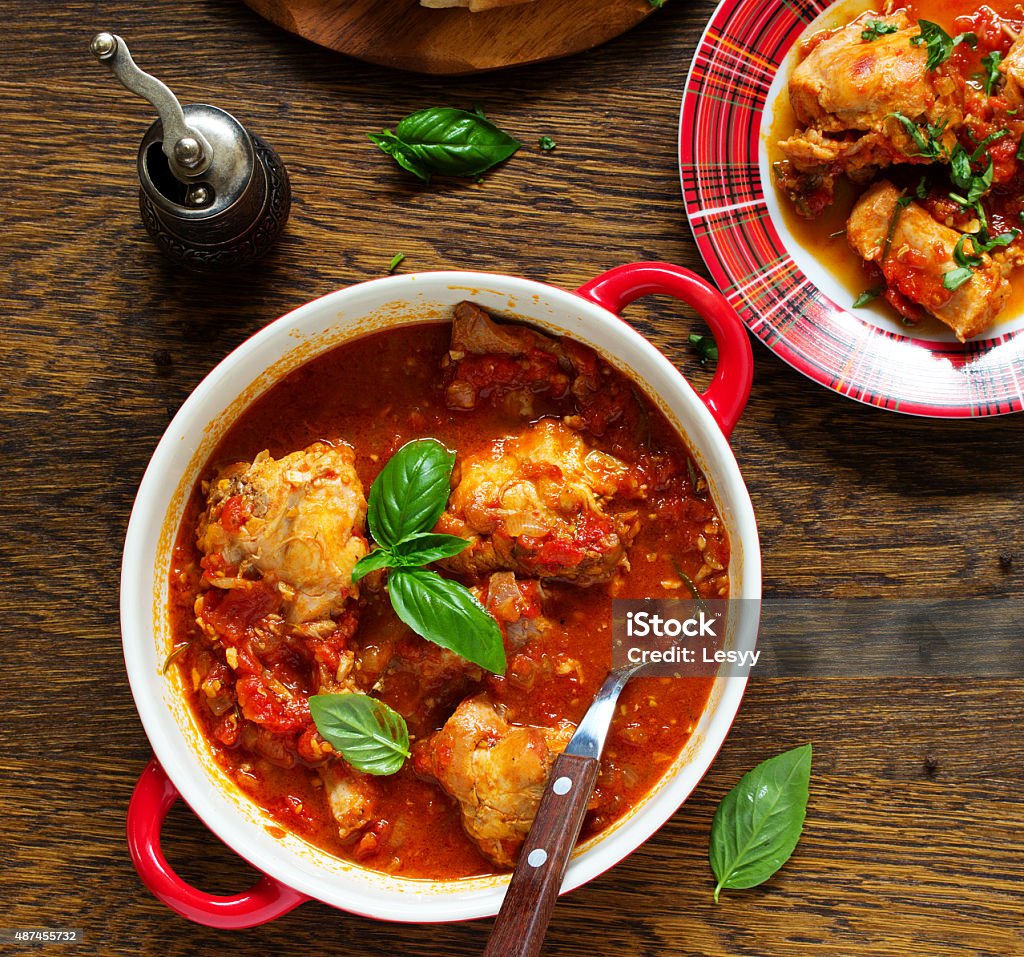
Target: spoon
x=530 y=899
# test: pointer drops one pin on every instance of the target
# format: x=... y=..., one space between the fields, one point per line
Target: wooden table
x=914 y=836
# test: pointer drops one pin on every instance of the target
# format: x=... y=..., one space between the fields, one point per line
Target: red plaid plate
x=786 y=298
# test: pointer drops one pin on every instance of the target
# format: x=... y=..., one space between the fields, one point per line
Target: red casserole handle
x=727 y=395
x=152 y=798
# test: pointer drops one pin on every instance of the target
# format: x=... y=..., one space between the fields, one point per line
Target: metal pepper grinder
x=213 y=196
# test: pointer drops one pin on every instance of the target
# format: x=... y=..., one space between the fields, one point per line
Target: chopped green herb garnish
x=838 y=232
x=991 y=138
x=976 y=186
x=396 y=261
x=939 y=43
x=546 y=143
x=955 y=278
x=962 y=258
x=968 y=262
x=873 y=29
x=990 y=77
x=927 y=140
x=1020 y=148
x=960 y=171
x=657 y=4
x=707 y=350
x=921 y=192
x=868 y=295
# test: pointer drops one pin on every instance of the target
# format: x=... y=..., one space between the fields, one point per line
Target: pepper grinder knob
x=212 y=195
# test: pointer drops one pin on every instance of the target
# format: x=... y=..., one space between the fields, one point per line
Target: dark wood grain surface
x=913 y=846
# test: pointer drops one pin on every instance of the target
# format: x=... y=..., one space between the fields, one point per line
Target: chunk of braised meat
x=491 y=361
x=540 y=504
x=845 y=91
x=352 y=796
x=915 y=252
x=422 y=681
x=513 y=365
x=517 y=605
x=297 y=523
x=495 y=770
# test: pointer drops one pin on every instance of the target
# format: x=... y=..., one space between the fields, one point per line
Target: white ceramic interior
x=179 y=458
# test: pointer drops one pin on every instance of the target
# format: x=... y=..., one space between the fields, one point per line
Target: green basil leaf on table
x=445 y=613
x=389 y=143
x=758 y=824
x=368 y=734
x=705 y=347
x=411 y=491
x=447 y=142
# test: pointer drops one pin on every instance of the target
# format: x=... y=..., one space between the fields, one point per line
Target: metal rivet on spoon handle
x=530 y=899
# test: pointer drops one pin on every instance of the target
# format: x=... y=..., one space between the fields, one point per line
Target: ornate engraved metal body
x=212 y=195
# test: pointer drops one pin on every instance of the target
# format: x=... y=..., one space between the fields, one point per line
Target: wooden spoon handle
x=523 y=919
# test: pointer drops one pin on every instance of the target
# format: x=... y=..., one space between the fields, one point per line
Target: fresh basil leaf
x=424 y=548
x=990 y=78
x=449 y=142
x=873 y=29
x=868 y=295
x=980 y=185
x=444 y=612
x=400 y=153
x=955 y=278
x=411 y=491
x=377 y=559
x=758 y=824
x=366 y=732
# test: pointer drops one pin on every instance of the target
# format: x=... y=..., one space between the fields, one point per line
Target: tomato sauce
x=376 y=394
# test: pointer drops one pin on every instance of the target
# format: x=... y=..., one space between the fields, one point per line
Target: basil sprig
x=405 y=502
x=367 y=733
x=447 y=142
x=939 y=43
x=758 y=824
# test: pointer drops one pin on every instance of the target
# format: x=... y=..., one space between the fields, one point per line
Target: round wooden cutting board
x=402 y=34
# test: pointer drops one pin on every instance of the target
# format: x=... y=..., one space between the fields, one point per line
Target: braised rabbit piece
x=297 y=522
